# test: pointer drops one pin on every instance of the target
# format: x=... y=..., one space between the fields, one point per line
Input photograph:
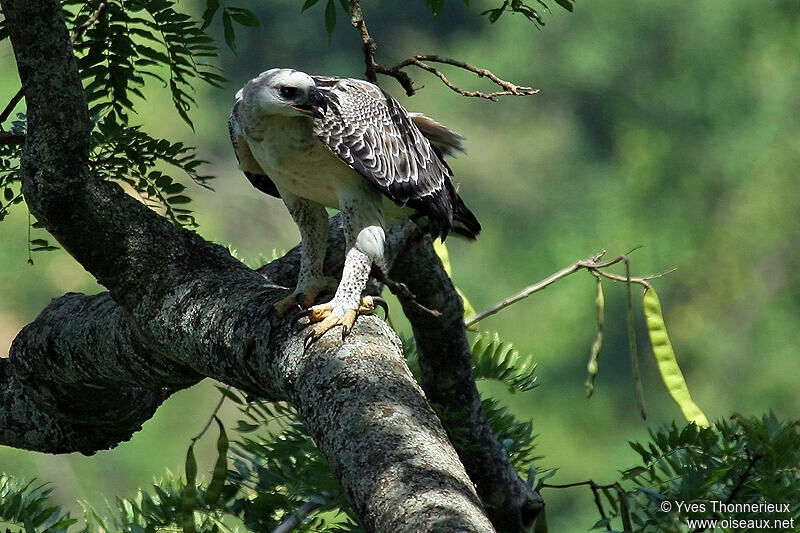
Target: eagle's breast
x=298 y=162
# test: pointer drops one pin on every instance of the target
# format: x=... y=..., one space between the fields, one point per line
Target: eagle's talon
x=301 y=314
x=302 y=299
x=377 y=301
x=322 y=318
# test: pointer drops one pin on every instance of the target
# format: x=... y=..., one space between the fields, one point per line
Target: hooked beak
x=315 y=106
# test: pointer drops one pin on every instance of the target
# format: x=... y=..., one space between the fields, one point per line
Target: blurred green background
x=674 y=127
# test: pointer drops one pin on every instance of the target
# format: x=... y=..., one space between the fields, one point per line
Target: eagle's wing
x=252 y=170
x=371 y=132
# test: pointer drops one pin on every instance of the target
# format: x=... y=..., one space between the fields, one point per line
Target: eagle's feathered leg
x=362 y=219
x=312 y=220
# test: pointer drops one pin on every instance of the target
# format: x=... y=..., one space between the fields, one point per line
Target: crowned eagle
x=344 y=143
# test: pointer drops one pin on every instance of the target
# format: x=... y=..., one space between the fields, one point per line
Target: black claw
x=308 y=340
x=345 y=332
x=380 y=302
x=301 y=314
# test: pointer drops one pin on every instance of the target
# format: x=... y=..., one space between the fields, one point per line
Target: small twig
x=402 y=291
x=21 y=92
x=10 y=107
x=596 y=488
x=211 y=418
x=86 y=25
x=591 y=263
x=297 y=517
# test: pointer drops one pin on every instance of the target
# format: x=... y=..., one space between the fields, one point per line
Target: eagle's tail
x=444 y=140
x=464 y=221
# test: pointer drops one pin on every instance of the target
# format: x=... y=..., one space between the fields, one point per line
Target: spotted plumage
x=318 y=142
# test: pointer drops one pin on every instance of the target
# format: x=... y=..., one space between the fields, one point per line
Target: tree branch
x=446 y=364
x=509 y=89
x=592 y=264
x=396 y=71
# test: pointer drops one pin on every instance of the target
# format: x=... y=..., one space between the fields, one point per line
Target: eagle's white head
x=285 y=92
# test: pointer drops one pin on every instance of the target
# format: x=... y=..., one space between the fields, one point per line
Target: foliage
x=25 y=505
x=277 y=470
x=436 y=7
x=703 y=473
x=524 y=9
x=119 y=44
x=493 y=358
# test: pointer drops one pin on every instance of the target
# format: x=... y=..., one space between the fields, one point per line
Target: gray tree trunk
x=90 y=370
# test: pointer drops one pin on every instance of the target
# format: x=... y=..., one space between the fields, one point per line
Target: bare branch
x=78 y=33
x=596 y=492
x=373 y=68
x=10 y=107
x=509 y=89
x=591 y=264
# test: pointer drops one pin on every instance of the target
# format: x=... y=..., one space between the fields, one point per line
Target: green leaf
x=493 y=14
x=180 y=199
x=229 y=394
x=566 y=4
x=330 y=18
x=667 y=362
x=245 y=427
x=245 y=17
x=227 y=26
x=495 y=359
x=308 y=4
x=212 y=6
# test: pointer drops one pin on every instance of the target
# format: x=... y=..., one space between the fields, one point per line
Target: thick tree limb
x=180 y=308
x=446 y=364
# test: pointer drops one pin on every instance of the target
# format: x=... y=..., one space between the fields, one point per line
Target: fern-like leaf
x=493 y=358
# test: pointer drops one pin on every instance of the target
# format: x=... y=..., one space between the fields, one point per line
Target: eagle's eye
x=288 y=92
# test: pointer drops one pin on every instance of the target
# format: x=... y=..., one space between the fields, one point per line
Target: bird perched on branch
x=316 y=142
